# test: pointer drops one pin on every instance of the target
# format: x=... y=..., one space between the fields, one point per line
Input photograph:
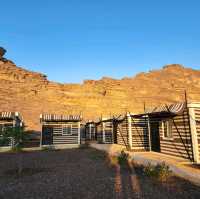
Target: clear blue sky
x=72 y=40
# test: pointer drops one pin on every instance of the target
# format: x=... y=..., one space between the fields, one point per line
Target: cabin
x=9 y=120
x=105 y=130
x=170 y=129
x=90 y=131
x=60 y=131
x=132 y=132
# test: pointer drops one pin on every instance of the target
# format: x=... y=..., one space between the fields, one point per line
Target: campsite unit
x=172 y=130
x=60 y=131
x=9 y=120
x=105 y=130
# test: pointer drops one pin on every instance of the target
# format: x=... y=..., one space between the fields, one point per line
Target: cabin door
x=155 y=137
x=47 y=135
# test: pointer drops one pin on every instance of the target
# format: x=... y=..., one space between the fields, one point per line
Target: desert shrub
x=123 y=158
x=112 y=160
x=160 y=172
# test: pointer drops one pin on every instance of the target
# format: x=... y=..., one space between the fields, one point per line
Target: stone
x=31 y=94
x=2 y=52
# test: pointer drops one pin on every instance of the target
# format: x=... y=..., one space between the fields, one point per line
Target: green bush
x=4 y=141
x=123 y=158
x=160 y=172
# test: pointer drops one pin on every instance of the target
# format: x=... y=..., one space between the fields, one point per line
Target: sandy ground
x=82 y=173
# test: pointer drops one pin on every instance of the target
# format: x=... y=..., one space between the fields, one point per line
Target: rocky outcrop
x=31 y=93
x=2 y=52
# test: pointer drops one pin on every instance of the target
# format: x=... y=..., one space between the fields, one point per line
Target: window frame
x=67 y=126
x=169 y=132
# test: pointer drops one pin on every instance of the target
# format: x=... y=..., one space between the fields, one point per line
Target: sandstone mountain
x=31 y=93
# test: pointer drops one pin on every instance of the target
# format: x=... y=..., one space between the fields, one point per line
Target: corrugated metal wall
x=108 y=129
x=99 y=131
x=122 y=132
x=59 y=137
x=181 y=143
x=197 y=118
x=93 y=132
x=139 y=129
x=90 y=128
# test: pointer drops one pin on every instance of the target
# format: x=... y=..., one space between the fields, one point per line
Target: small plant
x=160 y=172
x=123 y=158
x=149 y=170
x=112 y=160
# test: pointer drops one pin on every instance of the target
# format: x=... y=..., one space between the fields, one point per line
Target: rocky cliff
x=31 y=93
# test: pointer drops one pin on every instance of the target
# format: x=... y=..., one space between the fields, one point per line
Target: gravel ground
x=82 y=173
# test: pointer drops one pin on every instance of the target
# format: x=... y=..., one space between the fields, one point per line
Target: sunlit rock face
x=31 y=93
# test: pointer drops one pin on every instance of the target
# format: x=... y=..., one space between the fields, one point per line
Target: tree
x=16 y=137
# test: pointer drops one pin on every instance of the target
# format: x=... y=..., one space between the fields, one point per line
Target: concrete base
x=61 y=146
x=5 y=148
x=113 y=149
x=180 y=167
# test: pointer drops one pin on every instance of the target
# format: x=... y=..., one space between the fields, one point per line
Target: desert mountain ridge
x=31 y=93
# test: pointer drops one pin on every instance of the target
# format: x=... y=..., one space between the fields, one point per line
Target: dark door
x=155 y=137
x=47 y=135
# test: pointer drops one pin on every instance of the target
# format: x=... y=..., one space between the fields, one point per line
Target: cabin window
x=167 y=129
x=67 y=130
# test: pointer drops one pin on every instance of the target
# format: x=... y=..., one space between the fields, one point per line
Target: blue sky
x=73 y=40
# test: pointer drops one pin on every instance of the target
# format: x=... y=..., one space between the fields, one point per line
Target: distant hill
x=31 y=93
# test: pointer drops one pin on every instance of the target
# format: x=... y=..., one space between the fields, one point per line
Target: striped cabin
x=9 y=120
x=172 y=130
x=105 y=131
x=132 y=132
x=90 y=131
x=60 y=131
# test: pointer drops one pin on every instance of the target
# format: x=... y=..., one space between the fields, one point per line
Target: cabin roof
x=54 y=118
x=9 y=115
x=164 y=110
x=89 y=122
x=176 y=108
x=114 y=118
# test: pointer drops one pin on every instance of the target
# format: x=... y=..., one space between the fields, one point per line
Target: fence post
x=149 y=132
x=129 y=130
x=103 y=128
x=79 y=133
x=194 y=134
